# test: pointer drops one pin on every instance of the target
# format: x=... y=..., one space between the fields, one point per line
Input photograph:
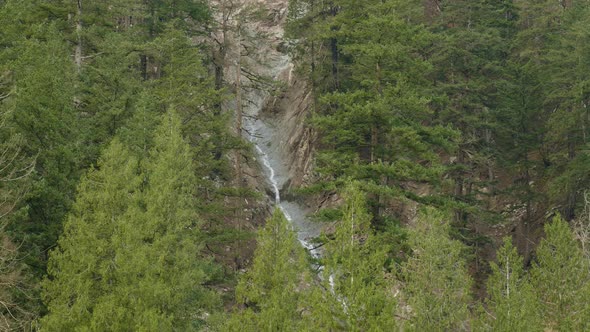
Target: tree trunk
x=220 y=56
x=374 y=130
x=239 y=102
x=334 y=51
x=78 y=51
x=460 y=185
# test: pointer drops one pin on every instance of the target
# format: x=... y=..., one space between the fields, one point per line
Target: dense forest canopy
x=451 y=139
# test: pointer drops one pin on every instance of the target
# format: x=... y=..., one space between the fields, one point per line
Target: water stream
x=266 y=140
x=267 y=137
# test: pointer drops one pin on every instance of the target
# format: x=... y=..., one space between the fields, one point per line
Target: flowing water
x=266 y=139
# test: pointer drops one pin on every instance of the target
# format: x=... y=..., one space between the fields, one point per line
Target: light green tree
x=130 y=257
x=511 y=303
x=273 y=290
x=357 y=292
x=82 y=268
x=437 y=282
x=561 y=279
x=173 y=225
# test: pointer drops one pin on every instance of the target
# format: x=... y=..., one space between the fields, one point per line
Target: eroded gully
x=262 y=131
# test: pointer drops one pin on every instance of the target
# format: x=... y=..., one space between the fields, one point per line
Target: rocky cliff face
x=290 y=111
x=291 y=107
x=274 y=107
x=272 y=91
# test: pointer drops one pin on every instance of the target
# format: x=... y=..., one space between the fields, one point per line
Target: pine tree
x=511 y=303
x=561 y=279
x=37 y=60
x=274 y=288
x=38 y=123
x=82 y=268
x=375 y=126
x=169 y=242
x=185 y=86
x=437 y=282
x=567 y=100
x=550 y=46
x=312 y=23
x=357 y=287
x=73 y=72
x=141 y=267
x=470 y=54
x=520 y=123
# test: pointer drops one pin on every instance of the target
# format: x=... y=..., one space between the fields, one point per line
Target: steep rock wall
x=290 y=111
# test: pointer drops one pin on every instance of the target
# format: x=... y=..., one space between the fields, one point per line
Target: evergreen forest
x=294 y=165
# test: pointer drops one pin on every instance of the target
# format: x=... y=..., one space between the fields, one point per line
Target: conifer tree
x=471 y=50
x=82 y=268
x=38 y=63
x=550 y=46
x=185 y=86
x=169 y=241
x=437 y=282
x=511 y=304
x=561 y=279
x=567 y=100
x=520 y=123
x=357 y=288
x=275 y=287
x=375 y=126
x=39 y=122
x=15 y=173
x=141 y=267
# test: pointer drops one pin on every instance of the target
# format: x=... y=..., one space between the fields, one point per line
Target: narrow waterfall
x=265 y=139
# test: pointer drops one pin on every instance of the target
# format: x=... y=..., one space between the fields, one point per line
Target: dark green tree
x=567 y=100
x=44 y=115
x=470 y=53
x=15 y=173
x=376 y=126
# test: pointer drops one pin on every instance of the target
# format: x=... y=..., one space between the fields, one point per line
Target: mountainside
x=294 y=165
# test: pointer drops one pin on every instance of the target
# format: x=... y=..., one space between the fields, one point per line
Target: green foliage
x=172 y=228
x=500 y=89
x=189 y=12
x=437 y=281
x=63 y=115
x=186 y=86
x=469 y=55
x=561 y=279
x=66 y=114
x=15 y=170
x=42 y=113
x=567 y=99
x=129 y=256
x=511 y=304
x=274 y=288
x=552 y=65
x=358 y=288
x=82 y=268
x=373 y=115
